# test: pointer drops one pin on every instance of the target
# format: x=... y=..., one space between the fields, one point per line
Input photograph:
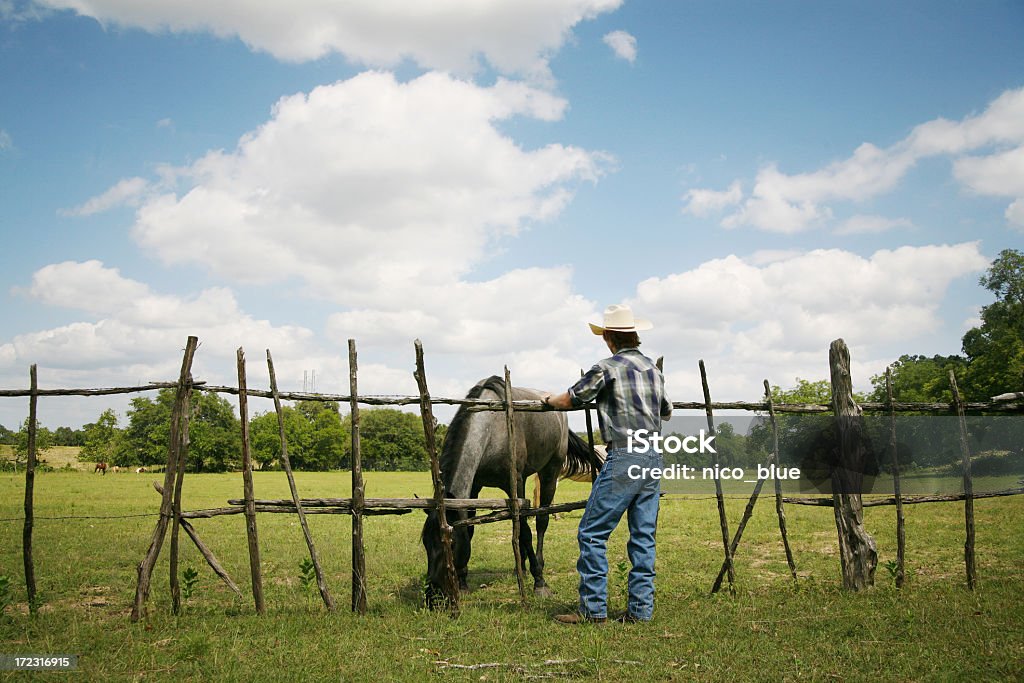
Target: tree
x=103 y=439
x=65 y=436
x=919 y=379
x=317 y=438
x=7 y=437
x=392 y=440
x=995 y=350
x=214 y=432
x=215 y=439
x=44 y=441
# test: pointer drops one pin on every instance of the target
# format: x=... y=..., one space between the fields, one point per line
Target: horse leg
x=464 y=546
x=548 y=479
x=527 y=554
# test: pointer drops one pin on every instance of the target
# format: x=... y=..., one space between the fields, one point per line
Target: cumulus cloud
x=5 y=141
x=514 y=36
x=789 y=203
x=370 y=191
x=622 y=44
x=701 y=202
x=126 y=192
x=779 y=317
x=133 y=335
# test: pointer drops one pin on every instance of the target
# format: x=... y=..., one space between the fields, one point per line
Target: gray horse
x=476 y=454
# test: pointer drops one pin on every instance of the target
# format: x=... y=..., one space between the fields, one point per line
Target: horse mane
x=455 y=437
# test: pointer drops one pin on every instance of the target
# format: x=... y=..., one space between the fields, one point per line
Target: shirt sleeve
x=666 y=405
x=587 y=389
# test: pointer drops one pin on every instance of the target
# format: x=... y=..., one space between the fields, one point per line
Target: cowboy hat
x=619 y=318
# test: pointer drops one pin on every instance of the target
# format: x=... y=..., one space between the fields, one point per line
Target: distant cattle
x=140 y=470
x=101 y=467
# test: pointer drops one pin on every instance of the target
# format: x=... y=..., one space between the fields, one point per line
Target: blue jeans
x=615 y=492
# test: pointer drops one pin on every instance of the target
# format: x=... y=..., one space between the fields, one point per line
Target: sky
x=757 y=179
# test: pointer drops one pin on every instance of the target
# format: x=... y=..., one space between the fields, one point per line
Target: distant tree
x=44 y=441
x=317 y=439
x=919 y=379
x=215 y=436
x=66 y=436
x=995 y=350
x=103 y=440
x=7 y=437
x=392 y=440
x=215 y=439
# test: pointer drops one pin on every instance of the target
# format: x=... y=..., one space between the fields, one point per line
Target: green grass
x=934 y=629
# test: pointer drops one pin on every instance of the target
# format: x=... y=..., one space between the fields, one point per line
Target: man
x=630 y=393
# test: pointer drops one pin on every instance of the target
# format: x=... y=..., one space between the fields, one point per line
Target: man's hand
x=558 y=401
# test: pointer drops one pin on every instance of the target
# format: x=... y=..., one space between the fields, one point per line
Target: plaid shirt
x=630 y=394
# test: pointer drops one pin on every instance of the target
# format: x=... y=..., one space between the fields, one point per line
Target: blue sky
x=757 y=178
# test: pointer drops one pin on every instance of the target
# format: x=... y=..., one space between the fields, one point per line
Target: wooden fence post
x=30 y=482
x=513 y=476
x=255 y=568
x=779 y=505
x=286 y=462
x=145 y=568
x=858 y=553
x=183 y=407
x=901 y=536
x=451 y=583
x=358 y=490
x=972 y=575
x=722 y=519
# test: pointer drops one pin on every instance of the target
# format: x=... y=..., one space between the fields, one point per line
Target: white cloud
x=864 y=224
x=785 y=203
x=126 y=192
x=369 y=190
x=1001 y=175
x=622 y=44
x=514 y=36
x=5 y=141
x=134 y=333
x=701 y=202
x=1015 y=213
x=777 y=319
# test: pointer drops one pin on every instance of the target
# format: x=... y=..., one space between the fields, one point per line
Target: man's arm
x=558 y=401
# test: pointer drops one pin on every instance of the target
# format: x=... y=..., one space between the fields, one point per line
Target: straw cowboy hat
x=619 y=318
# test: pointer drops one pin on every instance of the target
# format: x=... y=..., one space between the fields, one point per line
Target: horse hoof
x=543 y=592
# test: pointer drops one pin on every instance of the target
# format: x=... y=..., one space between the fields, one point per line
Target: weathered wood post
x=30 y=482
x=513 y=475
x=972 y=575
x=183 y=406
x=145 y=569
x=901 y=535
x=450 y=587
x=255 y=568
x=858 y=554
x=286 y=462
x=723 y=520
x=358 y=489
x=780 y=510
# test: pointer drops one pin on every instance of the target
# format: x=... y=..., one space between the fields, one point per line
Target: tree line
x=318 y=436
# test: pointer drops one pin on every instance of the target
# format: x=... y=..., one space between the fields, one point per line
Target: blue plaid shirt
x=630 y=394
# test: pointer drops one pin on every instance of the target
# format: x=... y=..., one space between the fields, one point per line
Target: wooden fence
x=854 y=542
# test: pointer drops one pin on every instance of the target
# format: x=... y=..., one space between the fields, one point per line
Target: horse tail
x=579 y=459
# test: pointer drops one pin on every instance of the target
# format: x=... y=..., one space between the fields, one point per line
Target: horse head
x=431 y=537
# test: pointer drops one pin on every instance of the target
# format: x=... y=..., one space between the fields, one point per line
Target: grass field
x=771 y=629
